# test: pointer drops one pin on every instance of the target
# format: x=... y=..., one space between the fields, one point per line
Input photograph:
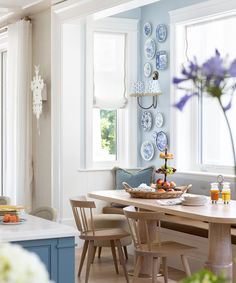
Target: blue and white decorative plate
x=150 y=48
x=147 y=29
x=161 y=32
x=161 y=141
x=147 y=150
x=146 y=120
x=159 y=120
x=147 y=70
x=161 y=60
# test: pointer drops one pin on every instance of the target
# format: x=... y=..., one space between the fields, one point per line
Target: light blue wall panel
x=157 y=13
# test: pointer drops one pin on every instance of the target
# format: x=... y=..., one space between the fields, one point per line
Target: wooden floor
x=103 y=271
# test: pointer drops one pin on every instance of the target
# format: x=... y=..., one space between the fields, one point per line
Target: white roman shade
x=109 y=70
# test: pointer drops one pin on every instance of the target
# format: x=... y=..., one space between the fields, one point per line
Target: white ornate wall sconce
x=39 y=90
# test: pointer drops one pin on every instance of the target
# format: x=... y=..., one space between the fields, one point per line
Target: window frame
x=3 y=50
x=126 y=117
x=179 y=20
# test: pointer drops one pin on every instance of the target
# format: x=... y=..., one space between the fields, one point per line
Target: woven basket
x=156 y=195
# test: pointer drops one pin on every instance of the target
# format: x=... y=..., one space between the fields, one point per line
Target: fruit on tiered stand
x=162 y=185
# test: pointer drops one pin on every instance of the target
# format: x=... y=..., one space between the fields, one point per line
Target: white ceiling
x=16 y=8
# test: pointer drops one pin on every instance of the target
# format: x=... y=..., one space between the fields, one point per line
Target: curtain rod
x=5 y=28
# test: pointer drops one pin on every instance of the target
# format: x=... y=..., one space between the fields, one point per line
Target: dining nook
x=117 y=141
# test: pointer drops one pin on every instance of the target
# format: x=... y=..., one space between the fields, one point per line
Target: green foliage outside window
x=108 y=130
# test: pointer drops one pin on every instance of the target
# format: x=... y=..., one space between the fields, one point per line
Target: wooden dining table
x=219 y=216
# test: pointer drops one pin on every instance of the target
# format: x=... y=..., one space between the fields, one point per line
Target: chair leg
x=113 y=250
x=122 y=260
x=125 y=252
x=89 y=259
x=95 y=248
x=137 y=268
x=85 y=248
x=154 y=269
x=165 y=269
x=158 y=264
x=99 y=252
x=186 y=265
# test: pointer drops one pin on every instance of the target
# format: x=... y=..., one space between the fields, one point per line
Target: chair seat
x=165 y=249
x=104 y=234
x=108 y=221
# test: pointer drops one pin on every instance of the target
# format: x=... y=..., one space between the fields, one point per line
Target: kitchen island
x=54 y=243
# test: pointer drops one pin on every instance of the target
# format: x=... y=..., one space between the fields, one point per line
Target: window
x=109 y=70
x=104 y=135
x=109 y=112
x=200 y=133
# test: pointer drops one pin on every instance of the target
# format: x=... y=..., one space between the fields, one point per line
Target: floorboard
x=103 y=270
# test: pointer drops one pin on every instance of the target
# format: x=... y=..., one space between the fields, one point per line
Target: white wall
x=73 y=181
x=42 y=143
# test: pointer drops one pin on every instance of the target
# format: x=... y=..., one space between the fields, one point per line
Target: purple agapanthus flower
x=190 y=72
x=228 y=106
x=212 y=77
x=232 y=69
x=214 y=67
x=180 y=105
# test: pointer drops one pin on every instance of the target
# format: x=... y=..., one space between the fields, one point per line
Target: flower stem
x=231 y=137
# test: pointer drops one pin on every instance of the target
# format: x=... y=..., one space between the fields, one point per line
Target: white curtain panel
x=18 y=183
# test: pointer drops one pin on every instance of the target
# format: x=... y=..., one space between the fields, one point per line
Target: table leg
x=220 y=249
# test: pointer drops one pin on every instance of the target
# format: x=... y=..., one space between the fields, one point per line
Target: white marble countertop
x=35 y=228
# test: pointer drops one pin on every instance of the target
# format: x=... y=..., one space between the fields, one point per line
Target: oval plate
x=159 y=120
x=150 y=48
x=146 y=120
x=147 y=29
x=147 y=150
x=161 y=32
x=161 y=141
x=147 y=70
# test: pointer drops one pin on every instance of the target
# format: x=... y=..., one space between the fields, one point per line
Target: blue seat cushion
x=134 y=179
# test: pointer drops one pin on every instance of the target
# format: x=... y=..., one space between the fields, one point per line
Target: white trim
x=56 y=190
x=74 y=9
x=201 y=11
x=107 y=169
x=203 y=176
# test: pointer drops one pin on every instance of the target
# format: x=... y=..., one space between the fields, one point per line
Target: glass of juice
x=225 y=194
x=214 y=192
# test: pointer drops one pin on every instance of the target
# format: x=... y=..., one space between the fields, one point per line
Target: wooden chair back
x=145 y=219
x=81 y=208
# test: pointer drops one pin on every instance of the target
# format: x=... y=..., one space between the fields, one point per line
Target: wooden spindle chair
x=83 y=214
x=147 y=242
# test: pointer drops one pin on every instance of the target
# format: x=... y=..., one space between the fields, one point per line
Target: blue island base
x=57 y=254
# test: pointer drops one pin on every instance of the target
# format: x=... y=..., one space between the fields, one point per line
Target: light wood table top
x=220 y=217
x=214 y=213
